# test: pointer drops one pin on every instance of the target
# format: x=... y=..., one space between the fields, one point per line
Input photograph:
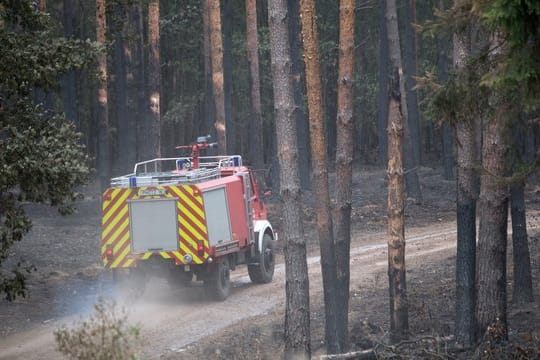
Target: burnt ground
x=69 y=280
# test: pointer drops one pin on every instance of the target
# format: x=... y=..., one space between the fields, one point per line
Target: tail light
x=109 y=252
x=200 y=249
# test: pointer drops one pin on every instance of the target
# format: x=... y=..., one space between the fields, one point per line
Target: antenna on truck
x=201 y=143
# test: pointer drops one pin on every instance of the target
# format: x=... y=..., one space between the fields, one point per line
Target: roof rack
x=170 y=171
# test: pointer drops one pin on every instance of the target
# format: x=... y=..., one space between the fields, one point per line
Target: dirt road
x=172 y=319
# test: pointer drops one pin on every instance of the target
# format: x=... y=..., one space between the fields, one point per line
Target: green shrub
x=105 y=335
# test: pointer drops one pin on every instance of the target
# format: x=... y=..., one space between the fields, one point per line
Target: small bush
x=105 y=335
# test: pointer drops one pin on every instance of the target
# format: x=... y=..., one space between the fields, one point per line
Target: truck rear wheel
x=218 y=285
x=263 y=271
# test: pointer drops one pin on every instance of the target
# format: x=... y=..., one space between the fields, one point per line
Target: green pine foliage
x=41 y=158
x=518 y=21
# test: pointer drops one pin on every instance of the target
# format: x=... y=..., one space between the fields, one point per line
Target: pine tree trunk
x=382 y=92
x=142 y=108
x=216 y=55
x=154 y=82
x=252 y=46
x=129 y=51
x=104 y=151
x=42 y=5
x=410 y=160
x=467 y=195
x=399 y=318
x=319 y=165
x=69 y=80
x=344 y=162
x=522 y=289
x=491 y=303
x=298 y=77
x=413 y=116
x=297 y=327
x=234 y=143
x=209 y=88
x=448 y=132
x=124 y=160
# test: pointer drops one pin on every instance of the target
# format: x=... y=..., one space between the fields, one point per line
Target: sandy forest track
x=171 y=319
x=70 y=279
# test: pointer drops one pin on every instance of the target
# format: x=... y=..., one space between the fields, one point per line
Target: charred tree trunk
x=252 y=46
x=297 y=68
x=382 y=92
x=297 y=328
x=522 y=289
x=210 y=111
x=142 y=108
x=448 y=133
x=125 y=157
x=233 y=138
x=319 y=165
x=104 y=151
x=467 y=195
x=413 y=115
x=216 y=55
x=344 y=162
x=154 y=82
x=399 y=318
x=409 y=159
x=129 y=51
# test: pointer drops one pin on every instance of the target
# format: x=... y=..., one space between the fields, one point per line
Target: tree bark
x=344 y=162
x=319 y=165
x=399 y=318
x=467 y=195
x=153 y=136
x=448 y=133
x=69 y=80
x=142 y=108
x=413 y=116
x=124 y=160
x=297 y=327
x=42 y=5
x=216 y=55
x=410 y=160
x=252 y=46
x=209 y=92
x=382 y=92
x=104 y=151
x=298 y=79
x=233 y=139
x=491 y=303
x=522 y=289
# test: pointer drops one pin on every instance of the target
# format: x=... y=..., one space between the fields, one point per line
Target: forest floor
x=182 y=324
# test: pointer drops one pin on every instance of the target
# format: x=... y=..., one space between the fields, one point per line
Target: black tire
x=263 y=271
x=218 y=284
x=179 y=278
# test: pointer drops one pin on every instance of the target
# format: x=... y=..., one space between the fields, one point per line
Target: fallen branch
x=358 y=355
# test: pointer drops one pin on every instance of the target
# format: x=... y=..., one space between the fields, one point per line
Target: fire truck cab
x=187 y=218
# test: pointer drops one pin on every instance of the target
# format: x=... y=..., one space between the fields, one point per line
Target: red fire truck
x=186 y=217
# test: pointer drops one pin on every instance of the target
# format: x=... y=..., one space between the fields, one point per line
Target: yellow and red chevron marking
x=116 y=228
x=191 y=223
